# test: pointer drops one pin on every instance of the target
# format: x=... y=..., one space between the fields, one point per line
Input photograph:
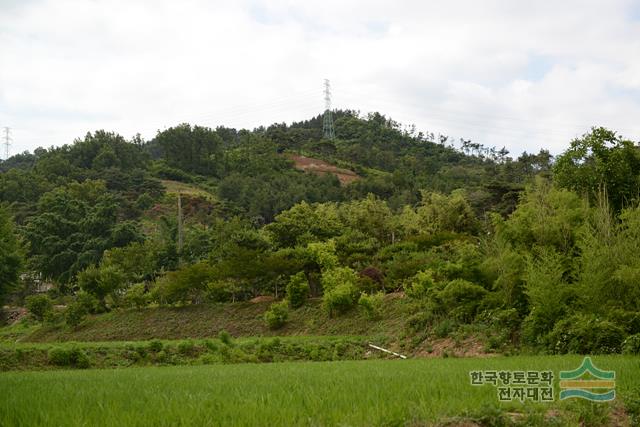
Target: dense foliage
x=536 y=251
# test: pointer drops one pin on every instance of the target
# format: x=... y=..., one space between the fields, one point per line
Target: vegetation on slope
x=541 y=250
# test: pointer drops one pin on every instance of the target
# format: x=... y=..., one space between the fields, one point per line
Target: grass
x=358 y=393
x=115 y=354
x=175 y=187
x=207 y=320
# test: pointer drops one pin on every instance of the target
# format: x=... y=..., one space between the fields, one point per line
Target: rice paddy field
x=346 y=393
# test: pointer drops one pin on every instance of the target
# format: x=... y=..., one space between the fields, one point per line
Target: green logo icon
x=588 y=382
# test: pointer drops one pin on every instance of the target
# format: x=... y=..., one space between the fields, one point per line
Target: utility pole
x=180 y=235
x=327 y=120
x=7 y=141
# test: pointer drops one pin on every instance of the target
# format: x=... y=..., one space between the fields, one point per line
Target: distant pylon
x=327 y=120
x=7 y=141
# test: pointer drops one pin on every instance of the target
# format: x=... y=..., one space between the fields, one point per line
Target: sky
x=521 y=74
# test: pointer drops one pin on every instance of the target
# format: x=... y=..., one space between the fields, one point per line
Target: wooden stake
x=401 y=356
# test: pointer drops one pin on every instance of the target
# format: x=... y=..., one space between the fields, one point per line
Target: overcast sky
x=521 y=74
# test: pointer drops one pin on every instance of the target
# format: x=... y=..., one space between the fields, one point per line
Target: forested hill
x=465 y=231
x=247 y=168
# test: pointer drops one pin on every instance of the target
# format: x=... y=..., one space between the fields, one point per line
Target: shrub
x=297 y=290
x=220 y=291
x=39 y=305
x=186 y=348
x=340 y=292
x=155 y=346
x=68 y=357
x=59 y=356
x=75 y=313
x=371 y=278
x=225 y=337
x=338 y=276
x=372 y=304
x=144 y=201
x=339 y=299
x=277 y=315
x=585 y=334
x=162 y=170
x=461 y=299
x=419 y=285
x=188 y=284
x=88 y=301
x=629 y=320
x=79 y=359
x=444 y=328
x=419 y=321
x=136 y=296
x=631 y=345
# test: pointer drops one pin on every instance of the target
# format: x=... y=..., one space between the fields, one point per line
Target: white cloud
x=521 y=74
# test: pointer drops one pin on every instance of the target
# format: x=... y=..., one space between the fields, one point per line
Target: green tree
x=11 y=256
x=546 y=216
x=340 y=291
x=102 y=281
x=188 y=284
x=72 y=228
x=39 y=305
x=194 y=149
x=601 y=161
x=439 y=213
x=305 y=223
x=297 y=290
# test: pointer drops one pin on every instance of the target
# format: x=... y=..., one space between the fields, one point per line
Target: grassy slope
x=119 y=354
x=357 y=393
x=239 y=319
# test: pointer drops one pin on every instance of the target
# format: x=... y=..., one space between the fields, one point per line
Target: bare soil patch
x=320 y=167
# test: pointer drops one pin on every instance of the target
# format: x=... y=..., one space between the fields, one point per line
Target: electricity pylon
x=327 y=120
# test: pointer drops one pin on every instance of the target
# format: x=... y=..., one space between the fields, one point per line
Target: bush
x=88 y=301
x=59 y=356
x=79 y=359
x=631 y=345
x=155 y=346
x=584 y=334
x=419 y=285
x=372 y=304
x=69 y=357
x=629 y=320
x=186 y=348
x=461 y=299
x=277 y=315
x=225 y=337
x=136 y=296
x=444 y=328
x=418 y=322
x=220 y=291
x=297 y=290
x=340 y=299
x=39 y=305
x=162 y=170
x=75 y=313
x=144 y=201
x=188 y=284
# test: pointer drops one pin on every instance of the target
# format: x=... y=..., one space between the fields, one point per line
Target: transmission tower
x=7 y=141
x=327 y=120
